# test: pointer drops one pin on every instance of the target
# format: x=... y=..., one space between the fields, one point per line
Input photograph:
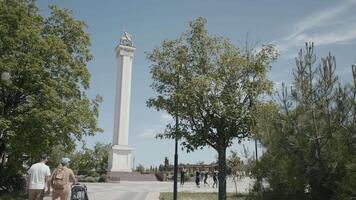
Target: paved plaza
x=147 y=190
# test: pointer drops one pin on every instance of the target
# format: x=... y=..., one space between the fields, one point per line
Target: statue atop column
x=126 y=40
x=120 y=154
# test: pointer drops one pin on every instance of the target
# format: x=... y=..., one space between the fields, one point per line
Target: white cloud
x=150 y=132
x=328 y=26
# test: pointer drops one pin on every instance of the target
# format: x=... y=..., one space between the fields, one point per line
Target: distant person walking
x=182 y=174
x=39 y=175
x=206 y=178
x=197 y=178
x=215 y=179
x=61 y=179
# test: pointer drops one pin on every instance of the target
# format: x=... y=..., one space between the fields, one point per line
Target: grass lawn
x=198 y=196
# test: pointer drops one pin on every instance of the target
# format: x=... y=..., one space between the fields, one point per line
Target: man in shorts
x=39 y=175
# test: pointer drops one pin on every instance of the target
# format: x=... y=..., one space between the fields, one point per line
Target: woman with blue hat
x=61 y=179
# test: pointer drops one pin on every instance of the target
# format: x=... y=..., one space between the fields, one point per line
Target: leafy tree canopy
x=212 y=86
x=44 y=103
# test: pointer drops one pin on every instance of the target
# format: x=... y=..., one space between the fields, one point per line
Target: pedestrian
x=197 y=178
x=215 y=179
x=206 y=178
x=38 y=179
x=182 y=173
x=61 y=179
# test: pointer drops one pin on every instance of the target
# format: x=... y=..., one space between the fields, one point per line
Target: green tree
x=309 y=134
x=83 y=160
x=88 y=159
x=166 y=164
x=44 y=103
x=235 y=166
x=101 y=154
x=140 y=168
x=212 y=86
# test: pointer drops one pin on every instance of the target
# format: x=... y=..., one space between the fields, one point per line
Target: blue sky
x=288 y=24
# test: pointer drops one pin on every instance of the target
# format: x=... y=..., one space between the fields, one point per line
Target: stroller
x=79 y=192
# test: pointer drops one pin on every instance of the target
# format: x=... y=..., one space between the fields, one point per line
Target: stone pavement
x=147 y=190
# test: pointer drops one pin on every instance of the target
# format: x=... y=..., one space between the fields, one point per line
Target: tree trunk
x=222 y=173
x=235 y=182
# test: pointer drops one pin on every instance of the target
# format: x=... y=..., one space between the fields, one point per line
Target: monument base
x=120 y=159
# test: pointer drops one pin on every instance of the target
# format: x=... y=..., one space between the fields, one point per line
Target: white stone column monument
x=120 y=153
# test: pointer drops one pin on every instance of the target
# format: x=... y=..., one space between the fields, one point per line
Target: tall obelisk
x=120 y=153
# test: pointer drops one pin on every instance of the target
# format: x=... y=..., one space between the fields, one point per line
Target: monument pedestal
x=120 y=159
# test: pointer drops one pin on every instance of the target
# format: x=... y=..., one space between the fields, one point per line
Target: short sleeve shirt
x=38 y=173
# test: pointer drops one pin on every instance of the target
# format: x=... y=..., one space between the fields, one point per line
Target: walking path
x=147 y=190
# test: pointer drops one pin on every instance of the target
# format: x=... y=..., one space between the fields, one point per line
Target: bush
x=81 y=178
x=161 y=176
x=101 y=172
x=93 y=174
x=170 y=176
x=187 y=177
x=82 y=172
x=12 y=196
x=90 y=179
x=103 y=178
x=11 y=182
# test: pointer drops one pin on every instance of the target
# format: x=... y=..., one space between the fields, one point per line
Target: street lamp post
x=256 y=149
x=176 y=151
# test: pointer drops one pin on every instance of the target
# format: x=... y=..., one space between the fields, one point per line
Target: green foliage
x=103 y=178
x=140 y=168
x=187 y=177
x=90 y=179
x=13 y=196
x=101 y=154
x=234 y=164
x=166 y=164
x=91 y=159
x=212 y=86
x=310 y=138
x=161 y=168
x=11 y=181
x=161 y=176
x=44 y=104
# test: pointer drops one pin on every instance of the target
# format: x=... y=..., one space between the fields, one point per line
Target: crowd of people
x=40 y=181
x=201 y=176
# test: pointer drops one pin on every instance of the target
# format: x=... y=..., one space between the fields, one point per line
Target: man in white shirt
x=39 y=175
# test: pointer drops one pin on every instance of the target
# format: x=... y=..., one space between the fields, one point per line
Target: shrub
x=82 y=172
x=161 y=176
x=81 y=178
x=93 y=174
x=170 y=176
x=103 y=178
x=11 y=182
x=187 y=177
x=90 y=179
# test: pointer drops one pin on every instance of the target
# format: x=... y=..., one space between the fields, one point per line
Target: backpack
x=59 y=181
